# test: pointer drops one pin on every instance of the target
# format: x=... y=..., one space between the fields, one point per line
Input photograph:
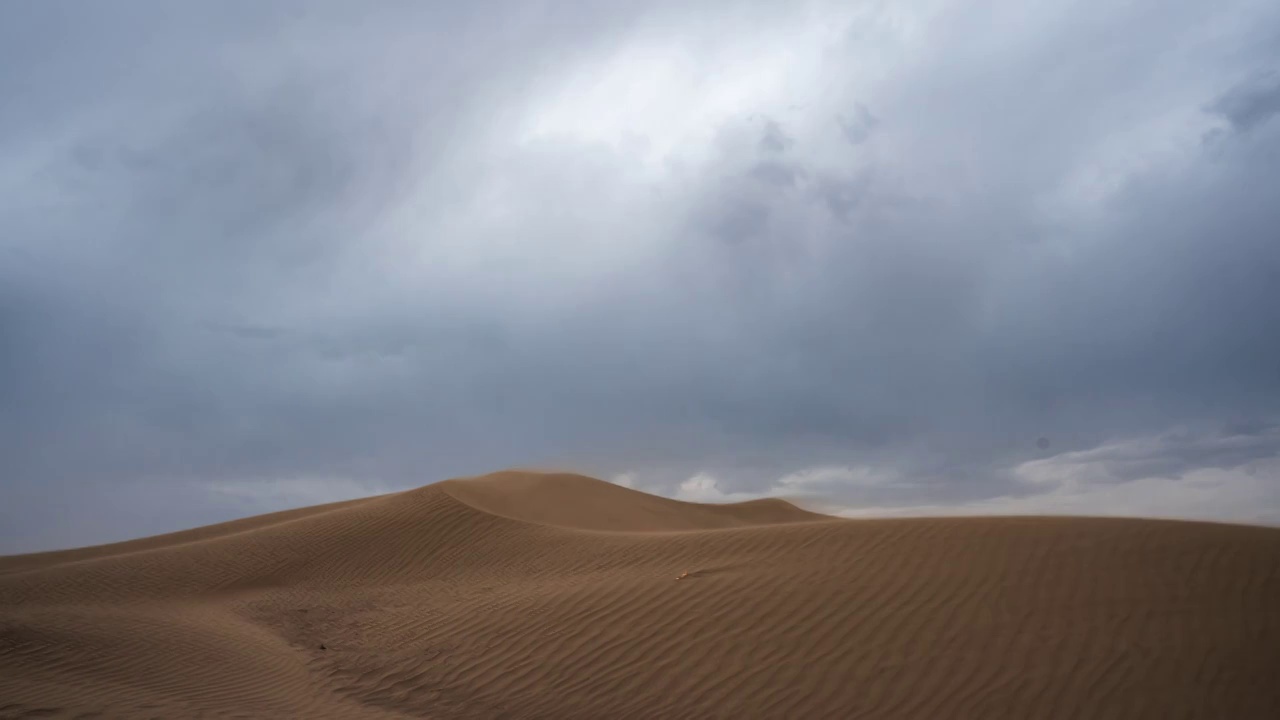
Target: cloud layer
x=879 y=247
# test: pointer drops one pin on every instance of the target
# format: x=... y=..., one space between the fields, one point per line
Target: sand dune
x=525 y=595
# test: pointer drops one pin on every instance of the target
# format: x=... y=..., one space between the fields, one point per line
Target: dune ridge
x=553 y=595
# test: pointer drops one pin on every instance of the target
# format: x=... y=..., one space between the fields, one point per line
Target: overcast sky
x=922 y=256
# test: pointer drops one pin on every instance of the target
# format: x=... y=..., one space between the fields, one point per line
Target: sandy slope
x=553 y=596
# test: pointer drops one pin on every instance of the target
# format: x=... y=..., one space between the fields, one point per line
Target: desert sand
x=526 y=595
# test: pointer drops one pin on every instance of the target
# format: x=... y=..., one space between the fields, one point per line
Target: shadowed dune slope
x=528 y=595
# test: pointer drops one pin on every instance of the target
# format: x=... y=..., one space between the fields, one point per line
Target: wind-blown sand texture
x=524 y=595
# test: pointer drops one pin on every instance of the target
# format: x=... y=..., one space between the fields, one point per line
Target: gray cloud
x=258 y=244
x=1171 y=456
x=1175 y=474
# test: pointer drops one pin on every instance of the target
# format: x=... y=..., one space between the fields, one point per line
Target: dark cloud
x=773 y=140
x=341 y=247
x=775 y=173
x=1251 y=103
x=857 y=128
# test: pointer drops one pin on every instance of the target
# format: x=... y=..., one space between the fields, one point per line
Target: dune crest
x=584 y=503
x=553 y=595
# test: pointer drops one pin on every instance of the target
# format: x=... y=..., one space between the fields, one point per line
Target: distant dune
x=527 y=595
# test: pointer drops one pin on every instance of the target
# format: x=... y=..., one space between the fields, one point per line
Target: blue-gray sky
x=262 y=254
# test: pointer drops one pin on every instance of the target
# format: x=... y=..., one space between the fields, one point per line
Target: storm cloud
x=262 y=254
